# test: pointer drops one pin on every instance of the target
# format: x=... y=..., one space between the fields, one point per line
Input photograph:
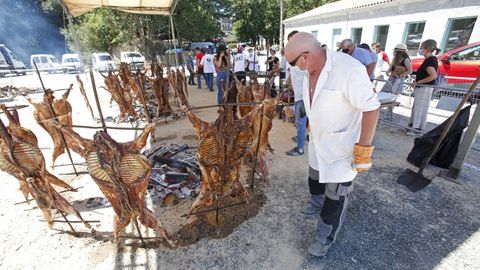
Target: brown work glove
x=362 y=160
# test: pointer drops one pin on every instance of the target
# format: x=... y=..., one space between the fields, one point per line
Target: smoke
x=26 y=29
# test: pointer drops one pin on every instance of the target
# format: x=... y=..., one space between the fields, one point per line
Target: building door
x=413 y=36
x=458 y=33
x=380 y=35
x=356 y=36
x=336 y=37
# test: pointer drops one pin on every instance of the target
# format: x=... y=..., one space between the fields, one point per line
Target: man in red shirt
x=198 y=59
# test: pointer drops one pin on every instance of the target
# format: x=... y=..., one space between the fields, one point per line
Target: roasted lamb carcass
x=262 y=125
x=43 y=113
x=122 y=174
x=176 y=83
x=160 y=91
x=24 y=135
x=25 y=161
x=244 y=95
x=221 y=147
x=121 y=95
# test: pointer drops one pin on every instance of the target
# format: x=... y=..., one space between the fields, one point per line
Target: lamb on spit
x=178 y=83
x=221 y=147
x=245 y=95
x=121 y=95
x=20 y=133
x=63 y=111
x=122 y=174
x=160 y=91
x=25 y=161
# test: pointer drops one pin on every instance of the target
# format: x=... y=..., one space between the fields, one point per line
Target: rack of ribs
x=122 y=174
x=221 y=147
x=43 y=113
x=23 y=159
x=177 y=83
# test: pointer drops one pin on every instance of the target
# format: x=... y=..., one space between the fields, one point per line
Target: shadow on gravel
x=389 y=227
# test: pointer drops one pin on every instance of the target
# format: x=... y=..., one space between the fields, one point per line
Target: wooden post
x=97 y=101
x=465 y=145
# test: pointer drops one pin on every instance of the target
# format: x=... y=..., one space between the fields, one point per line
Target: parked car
x=135 y=59
x=103 y=62
x=201 y=45
x=9 y=62
x=463 y=62
x=46 y=62
x=71 y=62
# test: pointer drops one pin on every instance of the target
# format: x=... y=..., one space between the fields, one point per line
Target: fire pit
x=175 y=172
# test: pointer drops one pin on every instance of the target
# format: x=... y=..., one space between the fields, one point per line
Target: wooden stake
x=97 y=101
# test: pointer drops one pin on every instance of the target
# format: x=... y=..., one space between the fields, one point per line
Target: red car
x=463 y=62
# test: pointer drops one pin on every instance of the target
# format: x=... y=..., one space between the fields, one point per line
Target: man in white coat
x=343 y=113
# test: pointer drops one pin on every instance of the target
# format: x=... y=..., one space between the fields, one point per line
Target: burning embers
x=175 y=173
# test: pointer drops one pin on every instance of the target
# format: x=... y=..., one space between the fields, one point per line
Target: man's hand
x=362 y=160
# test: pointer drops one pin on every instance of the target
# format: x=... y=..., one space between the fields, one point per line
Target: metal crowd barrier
x=444 y=100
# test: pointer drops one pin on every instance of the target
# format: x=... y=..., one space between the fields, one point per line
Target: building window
x=356 y=35
x=413 y=36
x=380 y=35
x=315 y=34
x=458 y=33
x=336 y=37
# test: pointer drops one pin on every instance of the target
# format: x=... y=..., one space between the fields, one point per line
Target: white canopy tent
x=158 y=7
x=153 y=7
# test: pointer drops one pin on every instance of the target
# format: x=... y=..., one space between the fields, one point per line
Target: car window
x=53 y=59
x=2 y=59
x=13 y=56
x=104 y=58
x=470 y=54
x=133 y=55
x=71 y=60
x=43 y=59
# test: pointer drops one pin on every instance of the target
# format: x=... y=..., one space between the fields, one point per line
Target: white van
x=10 y=63
x=135 y=59
x=103 y=62
x=46 y=62
x=71 y=62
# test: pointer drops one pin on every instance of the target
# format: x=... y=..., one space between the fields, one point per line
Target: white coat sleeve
x=359 y=92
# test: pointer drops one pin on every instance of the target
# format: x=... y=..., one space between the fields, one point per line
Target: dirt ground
x=387 y=226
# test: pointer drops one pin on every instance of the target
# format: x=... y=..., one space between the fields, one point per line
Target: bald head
x=299 y=43
x=347 y=46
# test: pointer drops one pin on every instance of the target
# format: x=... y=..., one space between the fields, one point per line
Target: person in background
x=295 y=80
x=239 y=61
x=222 y=66
x=190 y=68
x=362 y=55
x=382 y=60
x=208 y=69
x=252 y=60
x=374 y=59
x=273 y=64
x=426 y=75
x=339 y=46
x=198 y=60
x=400 y=67
x=343 y=112
x=283 y=66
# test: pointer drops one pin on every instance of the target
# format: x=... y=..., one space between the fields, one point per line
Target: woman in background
x=222 y=66
x=400 y=67
x=426 y=75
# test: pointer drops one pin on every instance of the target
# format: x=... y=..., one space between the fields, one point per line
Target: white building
x=452 y=23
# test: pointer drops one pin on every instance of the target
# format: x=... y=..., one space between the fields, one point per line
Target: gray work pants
x=333 y=209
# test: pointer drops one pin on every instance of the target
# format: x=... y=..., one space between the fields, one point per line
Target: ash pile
x=175 y=172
